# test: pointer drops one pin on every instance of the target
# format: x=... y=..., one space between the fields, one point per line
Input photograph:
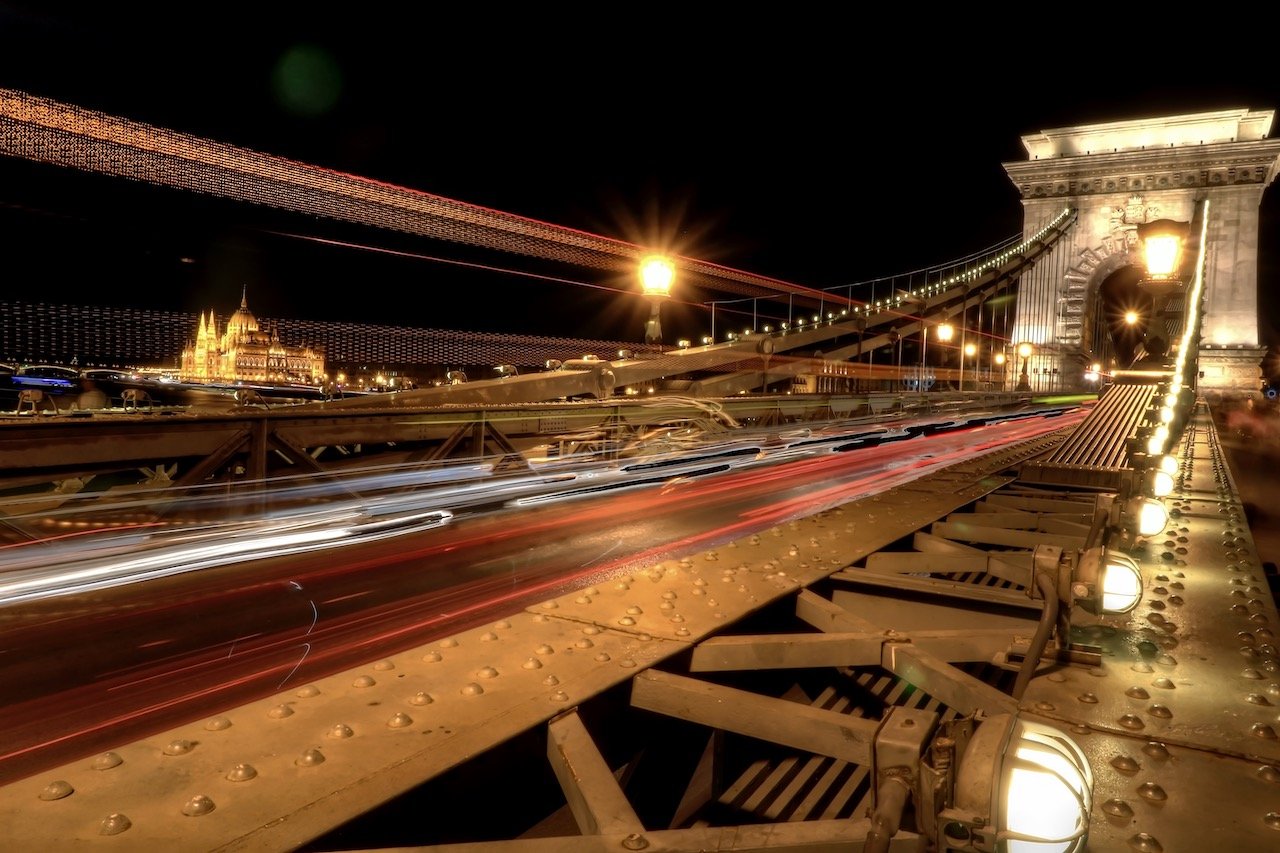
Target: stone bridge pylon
x=1119 y=176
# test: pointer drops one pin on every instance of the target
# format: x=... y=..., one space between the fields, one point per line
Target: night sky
x=814 y=151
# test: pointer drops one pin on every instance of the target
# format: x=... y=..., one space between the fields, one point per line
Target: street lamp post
x=1162 y=251
x=924 y=348
x=656 y=275
x=999 y=359
x=1024 y=352
x=968 y=351
x=945 y=333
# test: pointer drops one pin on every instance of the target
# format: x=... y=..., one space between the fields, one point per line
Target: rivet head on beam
x=531 y=663
x=550 y=681
x=178 y=747
x=635 y=841
x=400 y=720
x=108 y=760
x=1137 y=693
x=1145 y=843
x=559 y=696
x=1272 y=819
x=448 y=643
x=384 y=665
x=1164 y=683
x=487 y=672
x=114 y=824
x=242 y=773
x=1157 y=750
x=1088 y=698
x=197 y=806
x=433 y=657
x=1257 y=699
x=1130 y=721
x=364 y=681
x=340 y=731
x=310 y=758
x=488 y=637
x=1161 y=711
x=1125 y=764
x=56 y=790
x=1269 y=773
x=1262 y=730
x=584 y=643
x=217 y=724
x=544 y=649
x=422 y=697
x=1118 y=808
x=279 y=712
x=1152 y=792
x=471 y=689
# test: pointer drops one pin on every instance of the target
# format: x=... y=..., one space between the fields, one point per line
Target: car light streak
x=43 y=582
x=422 y=567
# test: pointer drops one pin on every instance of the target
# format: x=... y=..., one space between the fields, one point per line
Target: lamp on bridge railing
x=999 y=359
x=1095 y=576
x=656 y=276
x=1024 y=786
x=1134 y=517
x=998 y=783
x=1024 y=379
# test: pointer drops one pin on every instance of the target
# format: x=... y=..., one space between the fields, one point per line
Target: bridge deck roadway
x=1177 y=716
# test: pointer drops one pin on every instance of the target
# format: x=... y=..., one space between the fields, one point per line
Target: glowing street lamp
x=967 y=351
x=657 y=273
x=1162 y=252
x=945 y=332
x=1024 y=379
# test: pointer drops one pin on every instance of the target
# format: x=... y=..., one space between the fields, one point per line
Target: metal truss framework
x=928 y=631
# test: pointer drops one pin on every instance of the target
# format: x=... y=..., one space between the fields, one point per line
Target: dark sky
x=818 y=151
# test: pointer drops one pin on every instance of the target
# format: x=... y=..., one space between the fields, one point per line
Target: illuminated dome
x=242 y=322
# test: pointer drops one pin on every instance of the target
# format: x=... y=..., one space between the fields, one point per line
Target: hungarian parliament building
x=243 y=352
x=118 y=336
